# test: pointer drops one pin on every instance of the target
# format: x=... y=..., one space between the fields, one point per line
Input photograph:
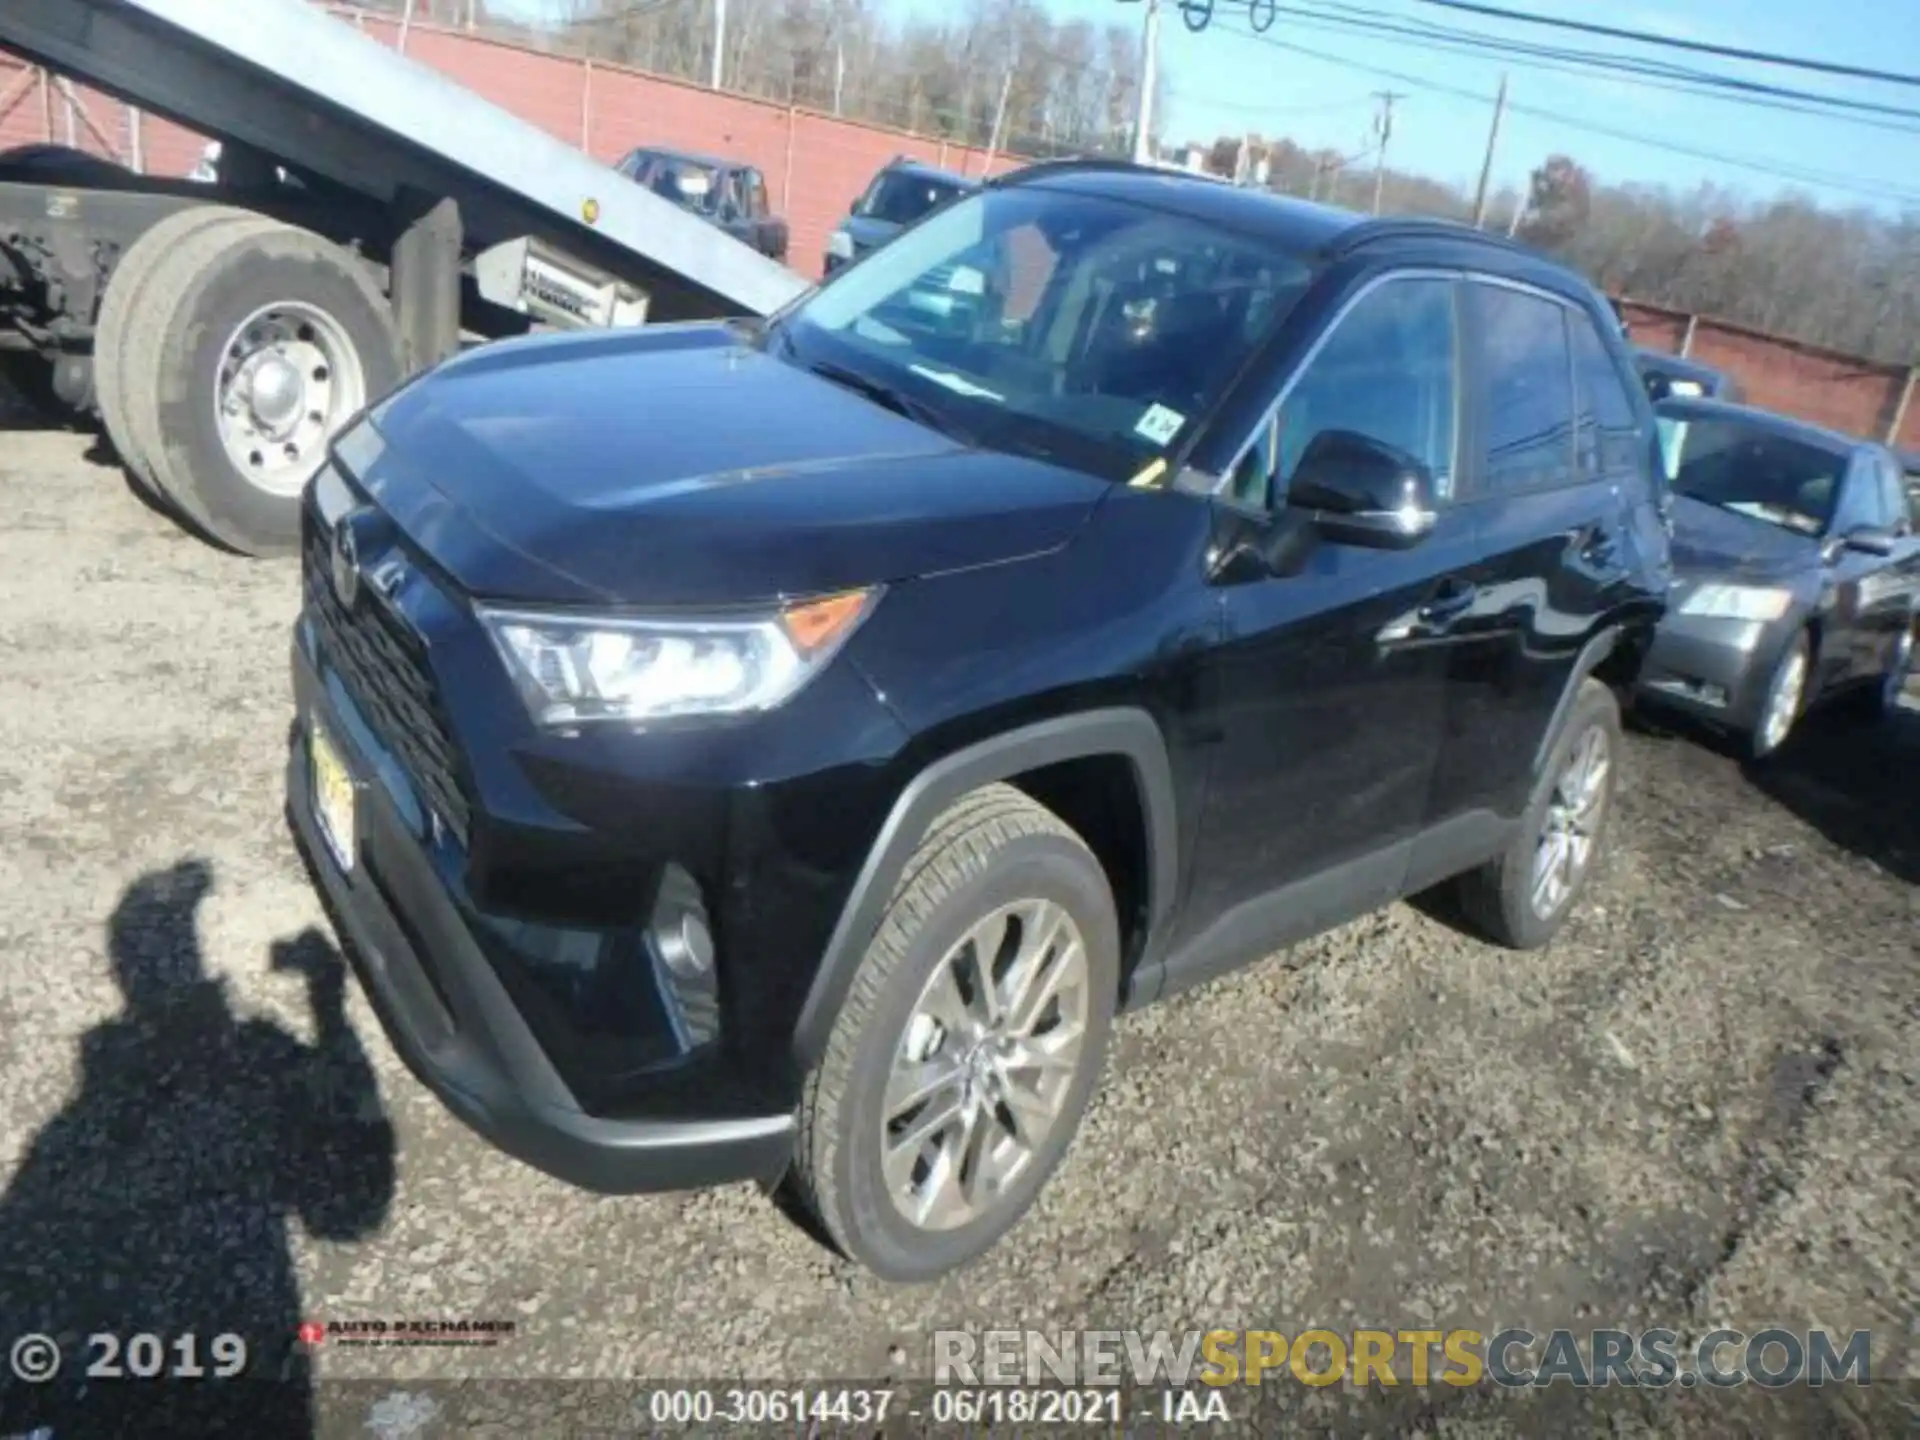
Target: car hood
x=868 y=232
x=1714 y=544
x=675 y=465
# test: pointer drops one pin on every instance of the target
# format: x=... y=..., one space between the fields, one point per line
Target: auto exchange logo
x=409 y=1334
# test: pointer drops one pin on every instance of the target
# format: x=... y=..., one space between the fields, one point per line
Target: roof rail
x=1394 y=227
x=1078 y=163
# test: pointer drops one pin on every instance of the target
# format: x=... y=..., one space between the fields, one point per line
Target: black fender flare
x=1123 y=731
x=1592 y=655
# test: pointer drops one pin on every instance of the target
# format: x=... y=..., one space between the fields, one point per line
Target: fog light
x=681 y=940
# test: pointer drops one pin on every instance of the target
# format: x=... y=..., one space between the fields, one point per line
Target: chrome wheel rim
x=984 y=1065
x=288 y=377
x=1895 y=683
x=1783 y=699
x=1572 y=825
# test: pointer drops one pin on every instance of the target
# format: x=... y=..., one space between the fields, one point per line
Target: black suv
x=775 y=750
x=901 y=193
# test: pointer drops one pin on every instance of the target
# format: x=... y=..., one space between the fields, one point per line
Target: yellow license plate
x=333 y=796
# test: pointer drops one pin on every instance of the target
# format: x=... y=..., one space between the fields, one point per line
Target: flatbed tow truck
x=367 y=214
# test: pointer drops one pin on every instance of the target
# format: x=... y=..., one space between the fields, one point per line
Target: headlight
x=573 y=670
x=840 y=245
x=1737 y=602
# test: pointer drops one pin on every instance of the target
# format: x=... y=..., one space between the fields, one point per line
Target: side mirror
x=1871 y=540
x=1361 y=491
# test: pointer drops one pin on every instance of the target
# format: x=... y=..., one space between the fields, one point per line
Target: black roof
x=1705 y=408
x=691 y=157
x=1302 y=226
x=931 y=172
x=1295 y=224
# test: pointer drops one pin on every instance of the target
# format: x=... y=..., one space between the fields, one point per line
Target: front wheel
x=971 y=1040
x=1521 y=899
x=1784 y=699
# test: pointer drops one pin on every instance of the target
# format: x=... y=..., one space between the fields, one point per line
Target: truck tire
x=31 y=375
x=53 y=164
x=253 y=344
x=917 y=1146
x=127 y=289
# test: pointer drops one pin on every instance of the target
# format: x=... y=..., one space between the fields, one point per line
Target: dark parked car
x=732 y=195
x=769 y=750
x=1679 y=376
x=903 y=192
x=1797 y=571
x=1910 y=462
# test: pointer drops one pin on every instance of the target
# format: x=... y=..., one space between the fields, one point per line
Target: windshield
x=900 y=197
x=1089 y=331
x=1752 y=471
x=683 y=181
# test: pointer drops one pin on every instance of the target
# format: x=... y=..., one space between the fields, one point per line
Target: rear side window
x=1529 y=423
x=1606 y=430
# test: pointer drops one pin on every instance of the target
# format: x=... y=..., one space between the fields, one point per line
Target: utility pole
x=999 y=117
x=719 y=41
x=1383 y=127
x=839 y=73
x=1149 y=77
x=1486 y=165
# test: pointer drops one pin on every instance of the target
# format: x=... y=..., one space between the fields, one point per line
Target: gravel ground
x=1697 y=1107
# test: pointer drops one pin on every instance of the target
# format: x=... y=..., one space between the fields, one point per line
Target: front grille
x=383 y=667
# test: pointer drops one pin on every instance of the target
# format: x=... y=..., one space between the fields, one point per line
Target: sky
x=1226 y=80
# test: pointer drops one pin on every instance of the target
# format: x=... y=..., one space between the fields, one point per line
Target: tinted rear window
x=900 y=197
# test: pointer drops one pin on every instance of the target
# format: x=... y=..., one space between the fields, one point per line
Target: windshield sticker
x=1685 y=387
x=1159 y=424
x=965 y=280
x=959 y=384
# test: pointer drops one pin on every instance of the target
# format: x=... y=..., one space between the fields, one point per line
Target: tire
x=993 y=848
x=1872 y=704
x=127 y=291
x=57 y=163
x=1795 y=659
x=32 y=377
x=271 y=279
x=1498 y=898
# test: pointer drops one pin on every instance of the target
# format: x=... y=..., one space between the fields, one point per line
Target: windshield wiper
x=882 y=393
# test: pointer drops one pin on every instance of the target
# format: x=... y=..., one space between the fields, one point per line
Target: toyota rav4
x=776 y=750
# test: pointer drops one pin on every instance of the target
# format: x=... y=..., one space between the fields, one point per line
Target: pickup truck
x=728 y=193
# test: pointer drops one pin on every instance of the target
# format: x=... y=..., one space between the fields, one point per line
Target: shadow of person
x=157 y=1202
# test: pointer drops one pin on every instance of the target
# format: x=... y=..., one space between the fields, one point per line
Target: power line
x=1638 y=70
x=1643 y=71
x=1878 y=190
x=1676 y=42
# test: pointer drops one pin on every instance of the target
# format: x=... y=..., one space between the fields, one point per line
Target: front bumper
x=452 y=1020
x=1714 y=669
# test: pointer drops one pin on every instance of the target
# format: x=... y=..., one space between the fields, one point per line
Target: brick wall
x=817 y=165
x=1861 y=397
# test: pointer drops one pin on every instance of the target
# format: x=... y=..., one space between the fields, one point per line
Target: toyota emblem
x=346 y=561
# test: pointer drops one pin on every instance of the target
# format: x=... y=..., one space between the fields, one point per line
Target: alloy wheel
x=1784 y=697
x=1570 y=831
x=985 y=1064
x=1899 y=667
